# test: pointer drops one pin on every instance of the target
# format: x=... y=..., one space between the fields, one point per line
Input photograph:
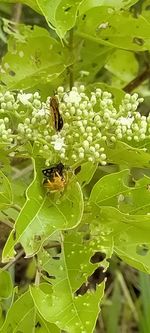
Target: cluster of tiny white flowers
x=89 y=123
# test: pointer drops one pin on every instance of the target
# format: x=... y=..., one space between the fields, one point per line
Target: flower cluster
x=89 y=123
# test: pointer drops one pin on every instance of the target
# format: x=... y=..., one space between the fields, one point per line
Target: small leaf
x=6 y=285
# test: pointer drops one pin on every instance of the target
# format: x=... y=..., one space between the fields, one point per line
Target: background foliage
x=57 y=250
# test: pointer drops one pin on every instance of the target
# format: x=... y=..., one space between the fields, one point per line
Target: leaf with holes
x=58 y=303
x=114 y=28
x=39 y=57
x=23 y=317
x=42 y=215
x=114 y=190
x=130 y=234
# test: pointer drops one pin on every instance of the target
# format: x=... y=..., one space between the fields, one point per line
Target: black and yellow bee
x=56 y=116
x=55 y=178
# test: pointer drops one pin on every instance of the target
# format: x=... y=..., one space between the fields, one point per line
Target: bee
x=56 y=117
x=55 y=178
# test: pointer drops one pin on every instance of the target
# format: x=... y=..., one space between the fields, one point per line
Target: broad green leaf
x=23 y=317
x=6 y=285
x=88 y=4
x=113 y=190
x=114 y=28
x=130 y=233
x=42 y=215
x=67 y=272
x=60 y=14
x=72 y=266
x=74 y=314
x=20 y=316
x=123 y=154
x=5 y=191
x=38 y=58
x=42 y=326
x=123 y=65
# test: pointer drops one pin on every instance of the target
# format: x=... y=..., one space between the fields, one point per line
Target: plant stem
x=16 y=207
x=137 y=81
x=17 y=12
x=12 y=262
x=71 y=73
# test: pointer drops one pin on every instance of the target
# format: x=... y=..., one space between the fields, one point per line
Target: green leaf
x=86 y=173
x=73 y=264
x=60 y=14
x=38 y=58
x=114 y=28
x=119 y=4
x=123 y=154
x=23 y=317
x=113 y=190
x=6 y=285
x=90 y=63
x=67 y=272
x=123 y=65
x=73 y=314
x=42 y=215
x=130 y=233
x=5 y=191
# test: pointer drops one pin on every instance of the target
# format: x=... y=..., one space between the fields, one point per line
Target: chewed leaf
x=130 y=235
x=73 y=314
x=114 y=28
x=41 y=216
x=113 y=190
x=41 y=56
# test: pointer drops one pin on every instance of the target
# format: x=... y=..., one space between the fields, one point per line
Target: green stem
x=12 y=262
x=16 y=207
x=71 y=73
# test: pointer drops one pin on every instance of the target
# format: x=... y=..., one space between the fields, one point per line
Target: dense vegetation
x=75 y=166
